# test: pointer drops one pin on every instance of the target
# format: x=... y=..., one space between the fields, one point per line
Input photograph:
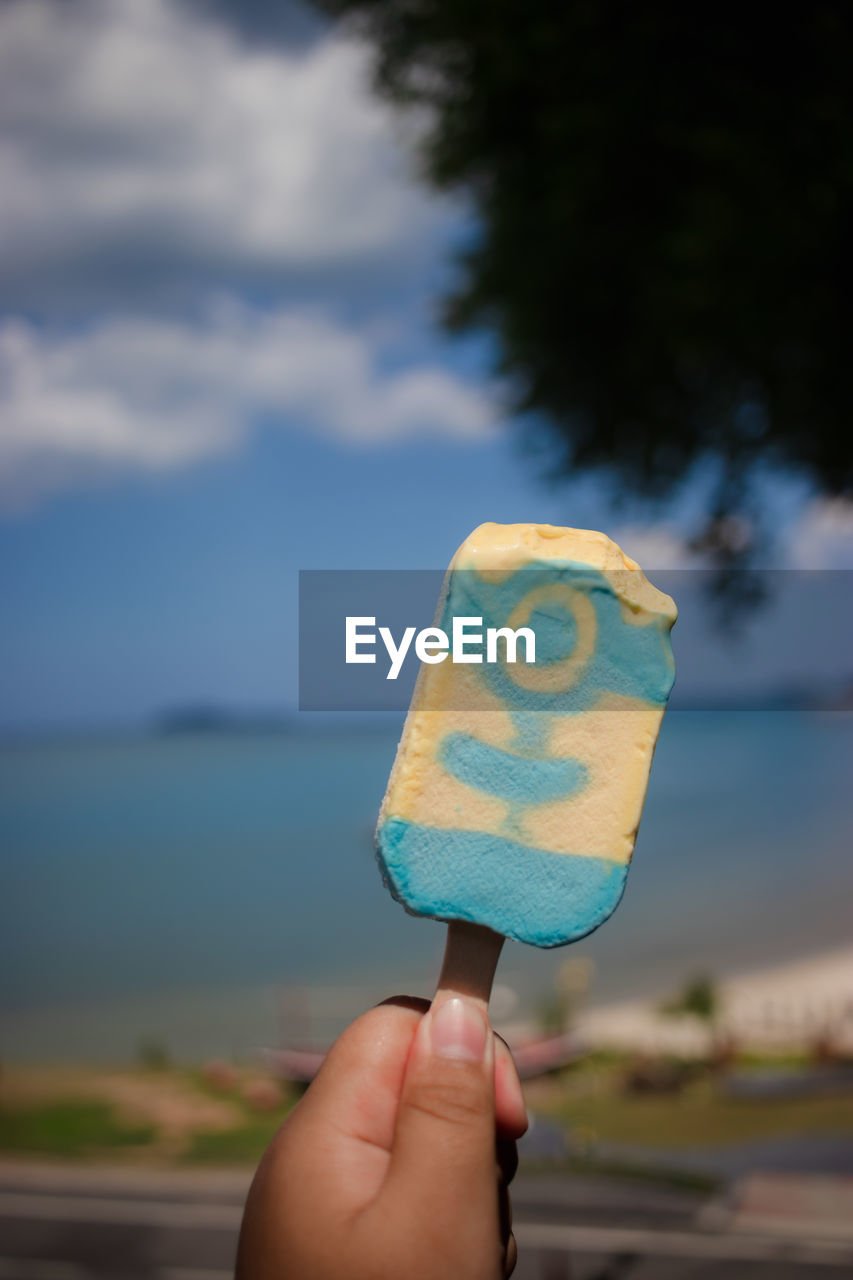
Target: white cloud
x=819 y=537
x=154 y=394
x=656 y=546
x=136 y=130
x=145 y=147
x=823 y=536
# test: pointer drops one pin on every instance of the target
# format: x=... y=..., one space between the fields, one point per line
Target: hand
x=397 y=1160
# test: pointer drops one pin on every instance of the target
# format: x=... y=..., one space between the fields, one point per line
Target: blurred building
x=803 y=1005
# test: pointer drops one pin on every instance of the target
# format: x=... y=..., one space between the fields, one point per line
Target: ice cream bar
x=518 y=786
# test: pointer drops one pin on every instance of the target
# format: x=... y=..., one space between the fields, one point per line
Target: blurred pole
x=572 y=982
x=294 y=1009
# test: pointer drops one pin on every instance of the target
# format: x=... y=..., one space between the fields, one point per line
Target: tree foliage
x=664 y=195
x=698 y=998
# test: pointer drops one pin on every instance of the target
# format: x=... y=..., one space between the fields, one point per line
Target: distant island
x=208 y=718
x=789 y=697
x=204 y=718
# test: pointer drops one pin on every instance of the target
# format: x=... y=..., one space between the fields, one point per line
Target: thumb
x=443 y=1155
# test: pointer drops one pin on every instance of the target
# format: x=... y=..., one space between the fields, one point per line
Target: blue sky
x=219 y=362
x=150 y=593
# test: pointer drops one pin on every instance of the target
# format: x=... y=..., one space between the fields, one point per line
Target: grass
x=698 y=1117
x=244 y=1144
x=69 y=1118
x=166 y=1113
x=72 y=1128
x=633 y=1170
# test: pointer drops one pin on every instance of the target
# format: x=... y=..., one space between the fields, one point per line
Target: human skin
x=397 y=1160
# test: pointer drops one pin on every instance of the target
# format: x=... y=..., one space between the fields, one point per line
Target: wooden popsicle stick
x=471 y=956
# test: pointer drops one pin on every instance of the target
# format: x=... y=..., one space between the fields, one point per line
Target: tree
x=698 y=998
x=664 y=198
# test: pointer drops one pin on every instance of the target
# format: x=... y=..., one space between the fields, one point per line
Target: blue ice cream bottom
x=531 y=895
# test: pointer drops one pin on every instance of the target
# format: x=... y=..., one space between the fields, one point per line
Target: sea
x=199 y=894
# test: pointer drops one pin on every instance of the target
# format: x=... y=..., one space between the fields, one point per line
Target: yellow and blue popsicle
x=517 y=789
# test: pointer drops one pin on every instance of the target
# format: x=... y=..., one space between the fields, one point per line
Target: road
x=122 y=1224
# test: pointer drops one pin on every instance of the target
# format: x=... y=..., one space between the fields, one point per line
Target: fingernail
x=458 y=1030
